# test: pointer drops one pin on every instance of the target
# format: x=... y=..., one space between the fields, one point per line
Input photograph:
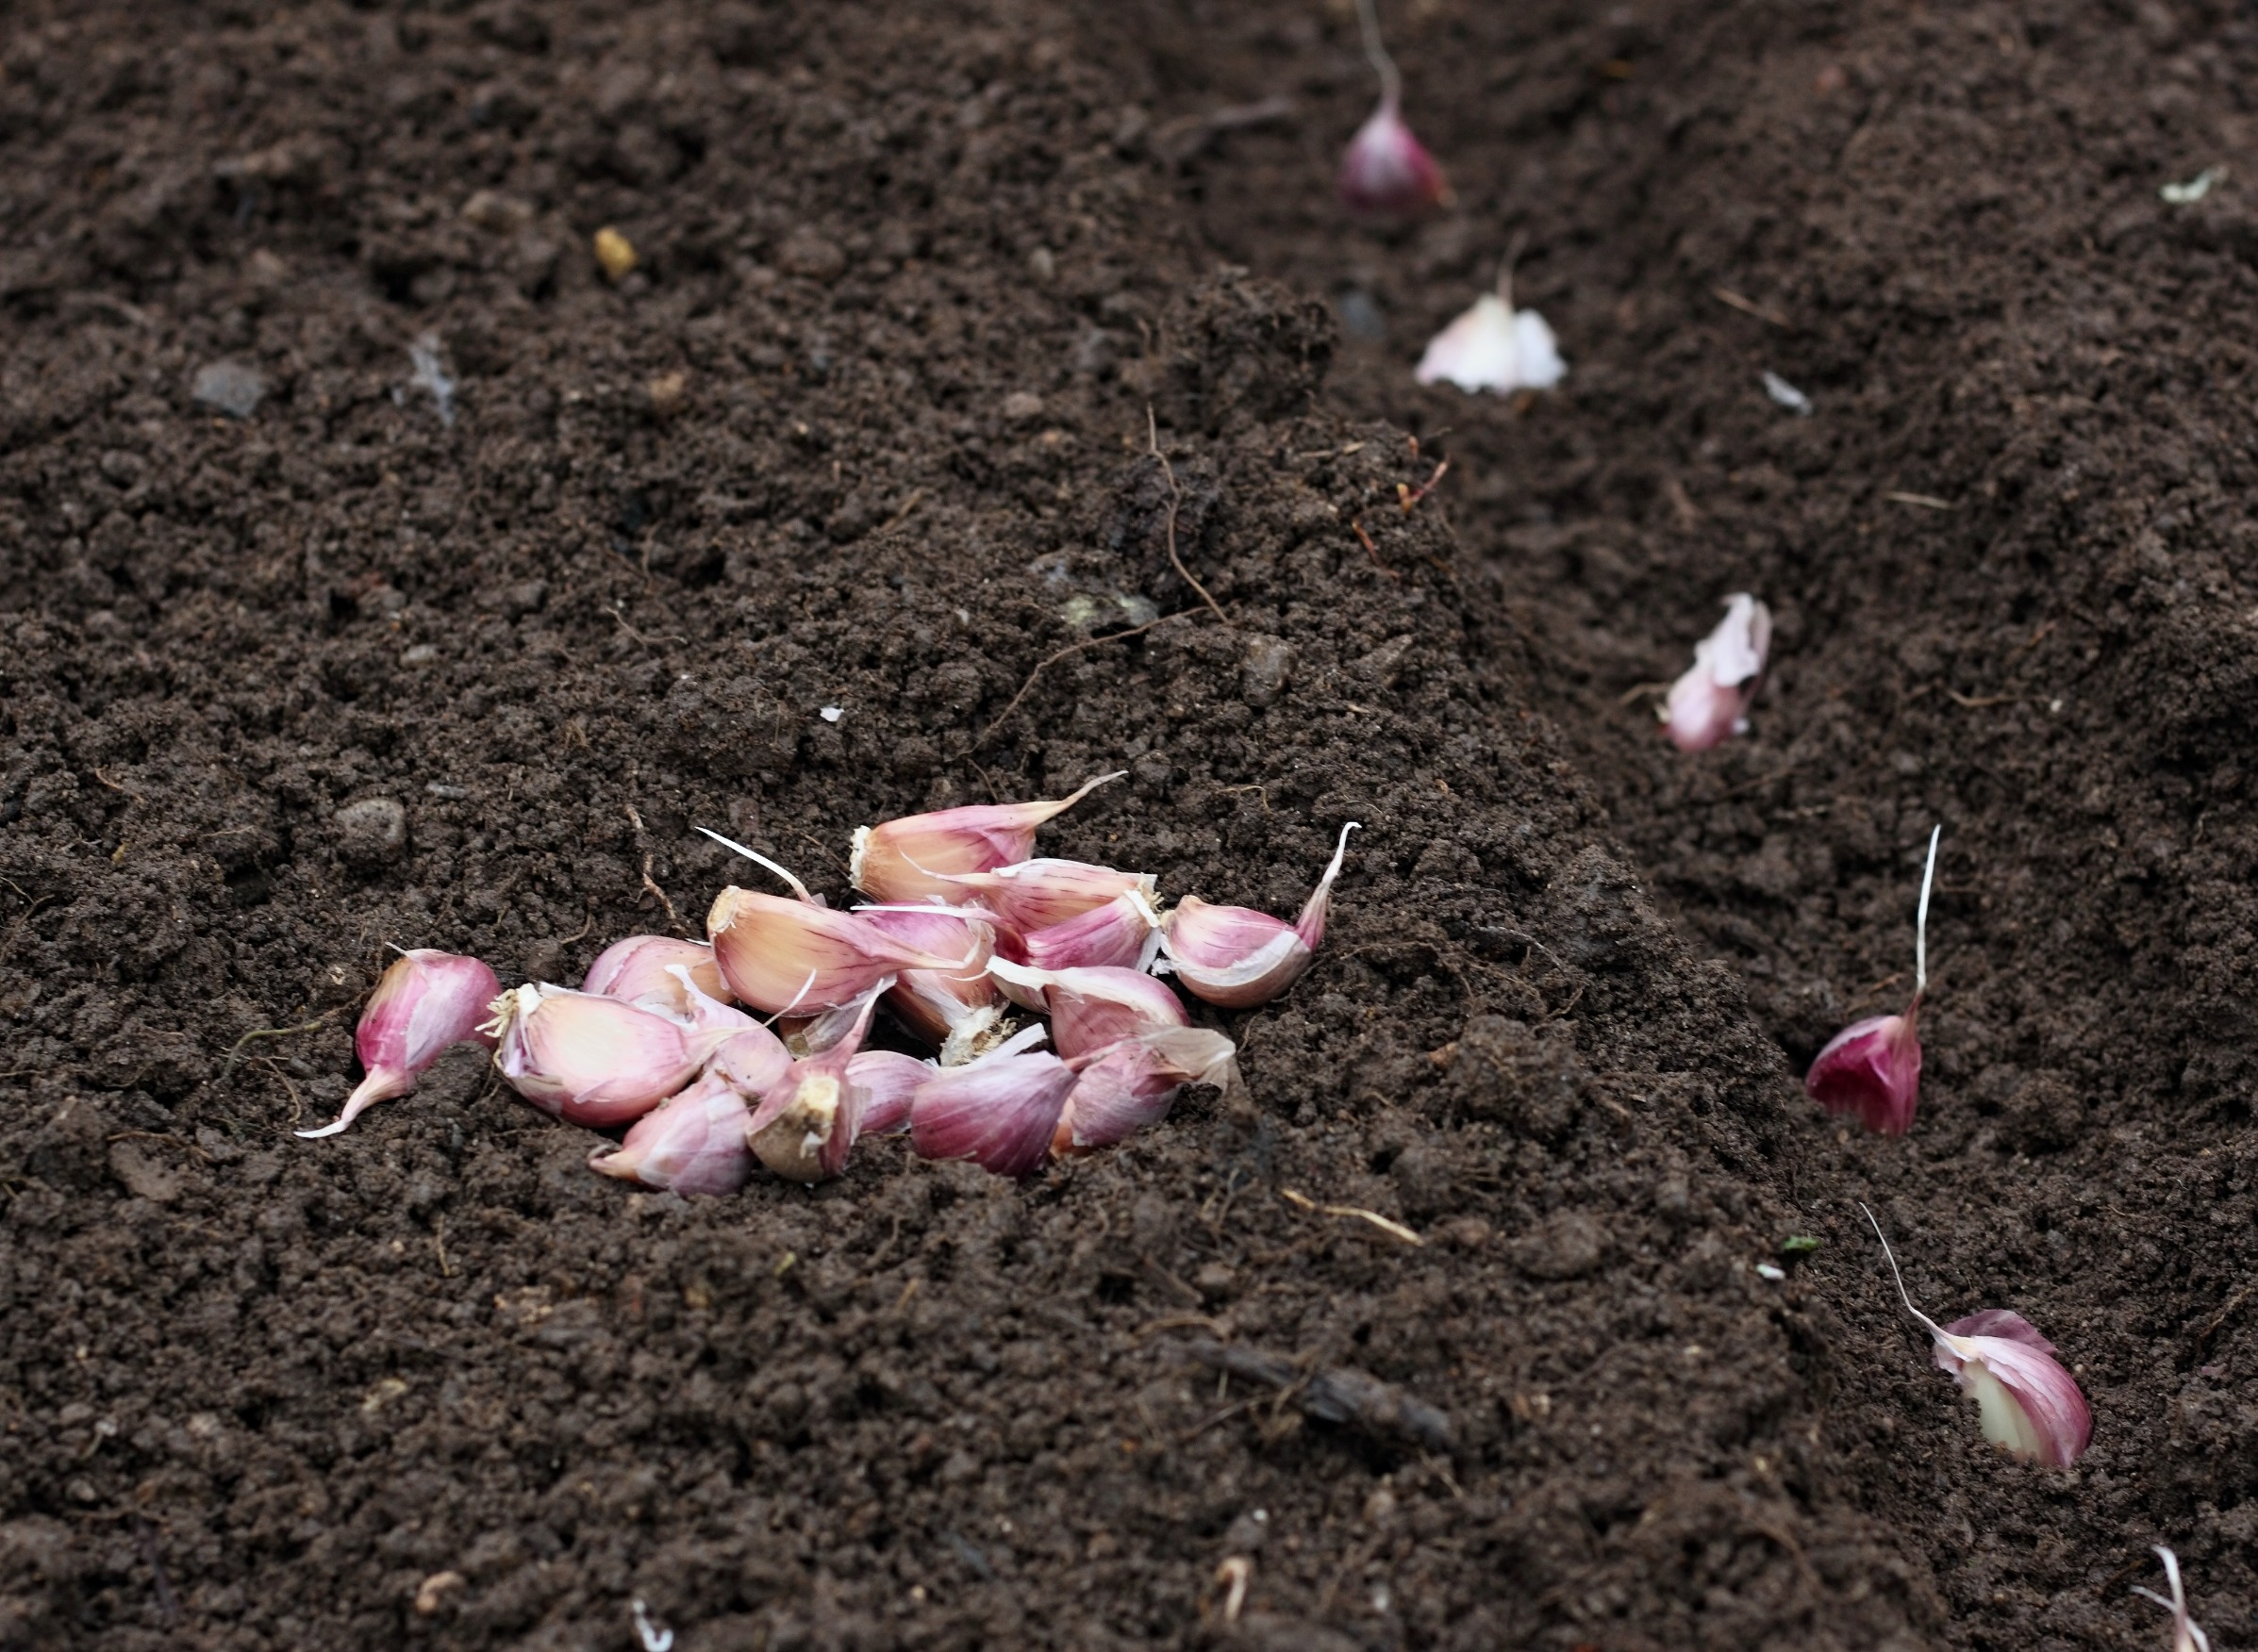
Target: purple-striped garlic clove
x=752 y=1059
x=1092 y=1008
x=1386 y=171
x=1236 y=957
x=1872 y=1069
x=1711 y=701
x=779 y=954
x=1124 y=933
x=955 y=1009
x=641 y=970
x=1034 y=895
x=887 y=1081
x=916 y=857
x=596 y=1061
x=2029 y=1405
x=808 y=1119
x=1134 y=1081
x=424 y=1002
x=999 y=1112
x=693 y=1144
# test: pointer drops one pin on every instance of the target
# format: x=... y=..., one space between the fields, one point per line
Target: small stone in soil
x=230 y=387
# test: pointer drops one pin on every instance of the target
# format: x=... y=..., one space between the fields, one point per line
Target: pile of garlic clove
x=976 y=949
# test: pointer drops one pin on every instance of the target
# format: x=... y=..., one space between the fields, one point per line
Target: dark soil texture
x=379 y=572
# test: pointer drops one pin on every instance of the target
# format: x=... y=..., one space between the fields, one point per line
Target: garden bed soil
x=380 y=571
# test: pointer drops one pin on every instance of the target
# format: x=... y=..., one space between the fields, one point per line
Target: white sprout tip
x=328 y=1129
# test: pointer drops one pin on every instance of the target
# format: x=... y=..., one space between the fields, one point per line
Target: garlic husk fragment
x=887 y=1081
x=597 y=1060
x=2187 y=1635
x=1711 y=701
x=915 y=857
x=1092 y=1008
x=1236 y=957
x=1134 y=1081
x=424 y=1002
x=2030 y=1406
x=641 y=970
x=1494 y=347
x=779 y=954
x=693 y=1144
x=1040 y=894
x=808 y=1119
x=1872 y=1069
x=954 y=1008
x=1386 y=171
x=1124 y=933
x=999 y=1112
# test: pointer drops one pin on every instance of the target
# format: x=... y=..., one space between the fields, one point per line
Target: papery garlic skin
x=2030 y=1406
x=1493 y=347
x=1124 y=933
x=427 y=1002
x=1092 y=1008
x=1711 y=701
x=779 y=954
x=597 y=1060
x=641 y=970
x=887 y=1081
x=1236 y=957
x=808 y=1119
x=692 y=1144
x=913 y=858
x=999 y=1112
x=1386 y=171
x=1872 y=1069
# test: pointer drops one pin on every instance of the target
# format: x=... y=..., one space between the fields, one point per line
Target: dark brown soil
x=866 y=430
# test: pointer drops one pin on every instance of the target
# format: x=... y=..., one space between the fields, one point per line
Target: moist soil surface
x=999 y=399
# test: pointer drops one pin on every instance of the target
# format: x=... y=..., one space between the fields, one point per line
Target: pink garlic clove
x=780 y=954
x=915 y=857
x=694 y=1143
x=888 y=1081
x=424 y=1002
x=752 y=1059
x=2028 y=1405
x=1092 y=1008
x=1040 y=894
x=641 y=970
x=596 y=1061
x=1124 y=933
x=954 y=1008
x=1386 y=171
x=1493 y=347
x=808 y=1119
x=1711 y=701
x=1236 y=957
x=1872 y=1069
x=999 y=1112
x=1131 y=1083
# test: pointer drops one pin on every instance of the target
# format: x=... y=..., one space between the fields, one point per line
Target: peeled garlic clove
x=887 y=1081
x=1711 y=701
x=593 y=1060
x=2029 y=1404
x=808 y=1119
x=1493 y=347
x=914 y=858
x=1236 y=957
x=1873 y=1068
x=694 y=1144
x=999 y=1112
x=1386 y=171
x=1092 y=1008
x=1040 y=893
x=1121 y=935
x=779 y=954
x=426 y=1001
x=641 y=970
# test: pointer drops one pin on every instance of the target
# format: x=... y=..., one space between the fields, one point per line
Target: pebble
x=374 y=829
x=230 y=387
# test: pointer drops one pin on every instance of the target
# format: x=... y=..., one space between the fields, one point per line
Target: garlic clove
x=887 y=1081
x=1236 y=957
x=808 y=1119
x=1493 y=347
x=593 y=1060
x=752 y=1059
x=2030 y=1406
x=1092 y=1008
x=1872 y=1069
x=1134 y=1081
x=1711 y=701
x=424 y=1002
x=780 y=954
x=913 y=858
x=999 y=1112
x=1039 y=894
x=951 y=1008
x=1386 y=171
x=1124 y=933
x=694 y=1143
x=641 y=970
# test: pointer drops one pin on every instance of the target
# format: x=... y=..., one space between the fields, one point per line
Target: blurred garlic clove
x=1494 y=347
x=593 y=1060
x=808 y=1119
x=641 y=970
x=1872 y=1069
x=1124 y=933
x=1134 y=1081
x=914 y=858
x=779 y=955
x=1711 y=701
x=1386 y=171
x=2028 y=1404
x=1040 y=894
x=887 y=1081
x=424 y=1002
x=951 y=1008
x=693 y=1144
x=1236 y=957
x=1092 y=1008
x=999 y=1112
